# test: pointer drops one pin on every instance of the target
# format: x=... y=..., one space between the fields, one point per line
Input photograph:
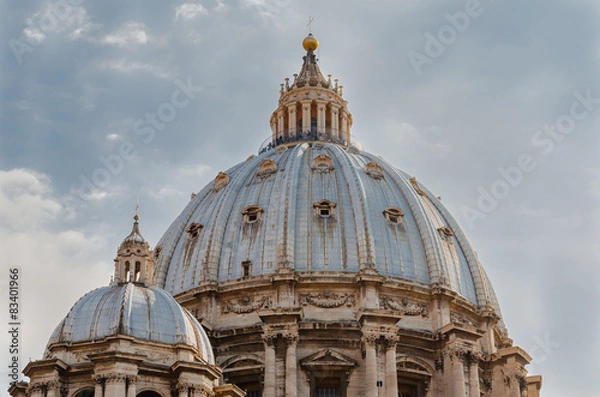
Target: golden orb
x=310 y=42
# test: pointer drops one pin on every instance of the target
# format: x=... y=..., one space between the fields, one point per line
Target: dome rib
x=366 y=255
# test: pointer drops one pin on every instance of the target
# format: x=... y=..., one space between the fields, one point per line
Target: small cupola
x=135 y=259
x=311 y=107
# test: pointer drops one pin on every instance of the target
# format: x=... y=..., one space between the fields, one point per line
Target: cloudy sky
x=494 y=105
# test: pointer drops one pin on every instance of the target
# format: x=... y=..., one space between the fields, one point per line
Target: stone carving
x=327 y=300
x=246 y=305
x=115 y=377
x=370 y=339
x=463 y=352
x=404 y=306
x=269 y=339
x=458 y=318
x=374 y=170
x=291 y=338
x=221 y=181
x=415 y=185
x=267 y=168
x=391 y=340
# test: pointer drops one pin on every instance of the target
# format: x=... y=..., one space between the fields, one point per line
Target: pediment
x=328 y=358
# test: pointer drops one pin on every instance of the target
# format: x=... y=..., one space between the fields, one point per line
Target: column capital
x=35 y=388
x=391 y=340
x=132 y=378
x=184 y=386
x=469 y=353
x=115 y=378
x=269 y=339
x=291 y=338
x=370 y=338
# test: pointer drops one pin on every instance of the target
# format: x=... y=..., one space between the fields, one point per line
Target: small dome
x=135 y=238
x=145 y=313
x=310 y=42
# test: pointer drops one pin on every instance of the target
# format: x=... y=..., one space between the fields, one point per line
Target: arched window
x=85 y=393
x=148 y=393
x=245 y=372
x=414 y=377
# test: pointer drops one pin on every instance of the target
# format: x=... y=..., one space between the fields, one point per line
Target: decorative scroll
x=221 y=181
x=404 y=307
x=246 y=305
x=327 y=300
x=415 y=185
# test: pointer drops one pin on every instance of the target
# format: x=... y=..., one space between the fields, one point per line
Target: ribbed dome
x=379 y=218
x=146 y=313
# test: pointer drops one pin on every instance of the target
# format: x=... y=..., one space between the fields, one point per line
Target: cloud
x=45 y=254
x=130 y=34
x=126 y=66
x=188 y=11
x=57 y=19
x=24 y=199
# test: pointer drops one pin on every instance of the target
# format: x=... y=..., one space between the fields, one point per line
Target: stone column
x=270 y=369
x=292 y=120
x=115 y=385
x=183 y=389
x=280 y=122
x=370 y=342
x=474 y=389
x=98 y=389
x=291 y=383
x=132 y=385
x=321 y=117
x=514 y=381
x=305 y=116
x=335 y=122
x=344 y=127
x=454 y=375
x=391 y=373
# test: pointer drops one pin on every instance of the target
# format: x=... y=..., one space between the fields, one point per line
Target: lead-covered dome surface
x=145 y=313
x=286 y=188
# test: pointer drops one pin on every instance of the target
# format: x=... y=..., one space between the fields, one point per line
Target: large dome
x=143 y=312
x=376 y=216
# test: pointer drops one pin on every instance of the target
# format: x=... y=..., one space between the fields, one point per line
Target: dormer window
x=246 y=268
x=252 y=214
x=324 y=208
x=322 y=164
x=393 y=215
x=193 y=230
